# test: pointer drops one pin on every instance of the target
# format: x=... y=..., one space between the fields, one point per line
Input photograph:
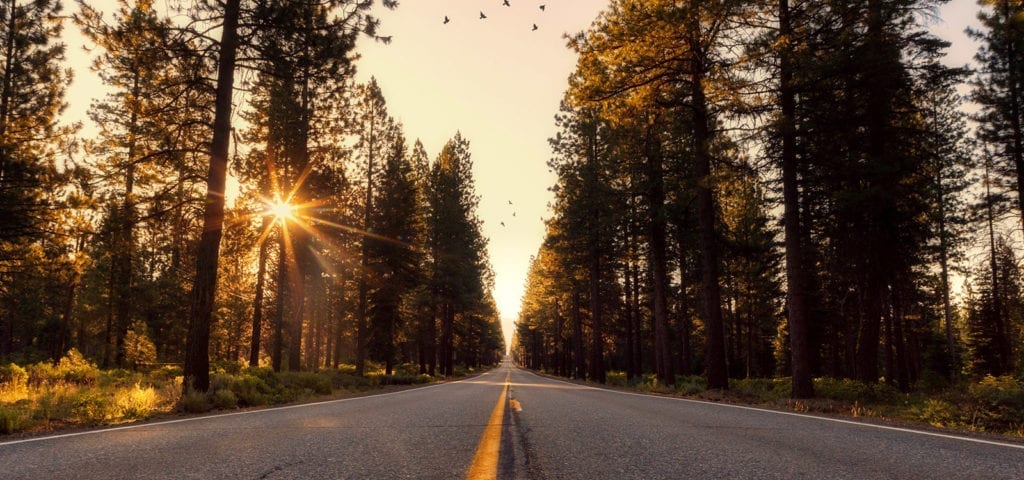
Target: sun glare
x=280 y=210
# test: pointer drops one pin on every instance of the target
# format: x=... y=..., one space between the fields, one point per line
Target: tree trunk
x=796 y=294
x=257 y=304
x=7 y=92
x=715 y=364
x=579 y=364
x=658 y=258
x=197 y=356
x=631 y=367
x=447 y=339
x=280 y=303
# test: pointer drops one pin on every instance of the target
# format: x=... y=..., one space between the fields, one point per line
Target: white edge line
x=792 y=414
x=231 y=414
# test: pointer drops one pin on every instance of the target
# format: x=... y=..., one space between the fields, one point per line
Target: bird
x=386 y=39
x=446 y=20
x=482 y=16
x=510 y=202
x=534 y=27
x=503 y=224
x=505 y=3
x=542 y=7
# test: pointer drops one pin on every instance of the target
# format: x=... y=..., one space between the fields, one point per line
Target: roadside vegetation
x=991 y=404
x=76 y=393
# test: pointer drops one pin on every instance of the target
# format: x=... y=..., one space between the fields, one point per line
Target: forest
x=346 y=243
x=784 y=189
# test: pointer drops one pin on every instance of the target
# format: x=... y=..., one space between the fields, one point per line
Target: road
x=540 y=428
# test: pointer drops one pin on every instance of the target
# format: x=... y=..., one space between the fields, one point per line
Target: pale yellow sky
x=498 y=82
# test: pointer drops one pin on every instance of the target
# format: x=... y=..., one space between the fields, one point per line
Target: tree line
x=750 y=188
x=346 y=243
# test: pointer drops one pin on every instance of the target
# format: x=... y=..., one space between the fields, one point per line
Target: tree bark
x=197 y=355
x=658 y=258
x=257 y=303
x=796 y=294
x=715 y=364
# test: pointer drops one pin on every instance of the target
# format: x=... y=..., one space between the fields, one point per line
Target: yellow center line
x=485 y=461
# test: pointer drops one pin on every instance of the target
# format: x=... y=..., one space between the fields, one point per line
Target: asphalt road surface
x=514 y=424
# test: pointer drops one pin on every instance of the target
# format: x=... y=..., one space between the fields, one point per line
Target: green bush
x=74 y=368
x=135 y=402
x=763 y=389
x=405 y=379
x=935 y=412
x=616 y=378
x=118 y=378
x=224 y=399
x=849 y=390
x=690 y=385
x=91 y=407
x=303 y=381
x=1002 y=396
x=12 y=419
x=344 y=380
x=230 y=367
x=252 y=390
x=165 y=373
x=194 y=401
x=13 y=377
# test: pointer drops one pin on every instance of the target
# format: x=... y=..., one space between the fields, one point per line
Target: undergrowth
x=990 y=404
x=75 y=392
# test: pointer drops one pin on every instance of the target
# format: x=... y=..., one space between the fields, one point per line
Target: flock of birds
x=483 y=16
x=505 y=3
x=510 y=201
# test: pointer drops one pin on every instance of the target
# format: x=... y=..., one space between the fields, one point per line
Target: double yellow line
x=485 y=461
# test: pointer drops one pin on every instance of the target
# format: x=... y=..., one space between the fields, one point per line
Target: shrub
x=135 y=402
x=74 y=368
x=343 y=379
x=251 y=390
x=138 y=348
x=12 y=419
x=937 y=413
x=91 y=407
x=691 y=385
x=303 y=381
x=1002 y=396
x=848 y=390
x=13 y=380
x=616 y=378
x=193 y=402
x=763 y=389
x=405 y=379
x=224 y=398
x=231 y=367
x=166 y=372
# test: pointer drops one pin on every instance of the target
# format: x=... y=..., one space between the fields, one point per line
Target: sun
x=281 y=210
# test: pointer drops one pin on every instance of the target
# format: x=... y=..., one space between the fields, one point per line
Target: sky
x=499 y=83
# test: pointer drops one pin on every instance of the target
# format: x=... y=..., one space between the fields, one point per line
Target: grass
x=75 y=393
x=990 y=404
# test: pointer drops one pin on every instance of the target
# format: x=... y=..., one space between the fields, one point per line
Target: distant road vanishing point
x=509 y=423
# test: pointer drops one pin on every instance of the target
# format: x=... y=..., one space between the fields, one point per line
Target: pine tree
x=459 y=271
x=33 y=250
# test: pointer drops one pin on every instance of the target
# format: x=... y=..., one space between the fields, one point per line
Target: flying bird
x=505 y=3
x=510 y=202
x=446 y=20
x=482 y=16
x=386 y=40
x=503 y=224
x=542 y=7
x=534 y=27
